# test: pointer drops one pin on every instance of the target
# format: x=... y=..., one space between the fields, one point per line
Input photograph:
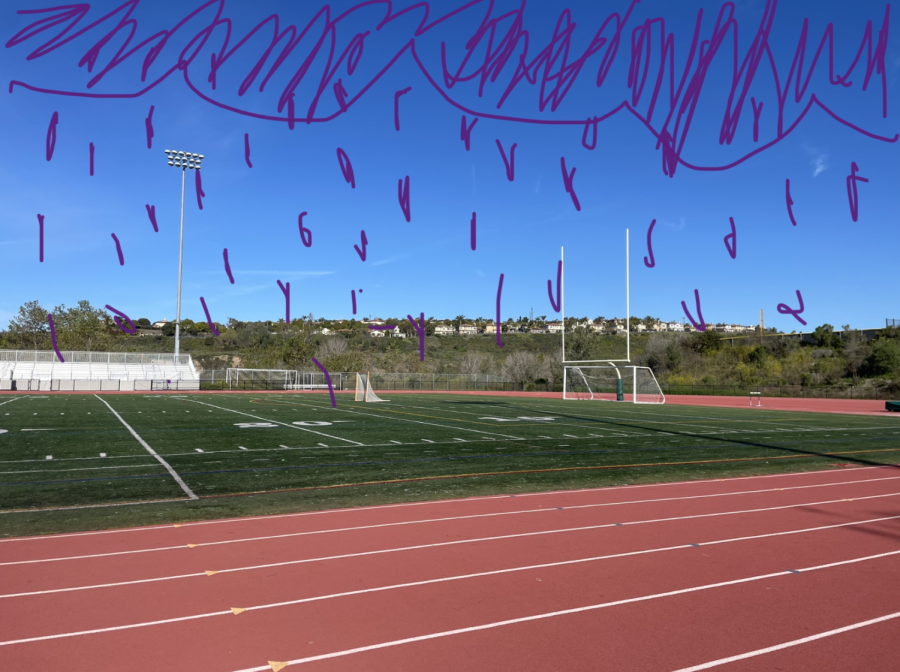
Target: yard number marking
x=521 y=417
x=252 y=425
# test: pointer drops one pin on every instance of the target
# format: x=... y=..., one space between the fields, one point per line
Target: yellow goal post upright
x=603 y=379
x=364 y=391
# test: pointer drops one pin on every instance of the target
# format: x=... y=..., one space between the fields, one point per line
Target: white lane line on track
x=369 y=527
x=786 y=645
x=451 y=543
x=168 y=526
x=285 y=424
x=159 y=458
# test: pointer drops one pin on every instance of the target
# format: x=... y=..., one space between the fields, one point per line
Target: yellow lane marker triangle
x=237 y=610
x=276 y=666
x=210 y=572
x=193 y=545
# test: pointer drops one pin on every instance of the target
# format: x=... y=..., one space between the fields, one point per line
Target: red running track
x=664 y=577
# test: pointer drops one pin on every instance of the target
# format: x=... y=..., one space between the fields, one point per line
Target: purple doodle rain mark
x=465 y=132
x=397 y=94
x=118 y=314
x=323 y=32
x=227 y=266
x=364 y=241
x=346 y=167
x=286 y=290
x=53 y=338
x=789 y=201
x=327 y=380
x=92 y=158
x=472 y=231
x=403 y=196
x=212 y=327
x=382 y=327
x=651 y=262
x=340 y=95
x=757 y=110
x=198 y=185
x=41 y=237
x=702 y=325
x=511 y=163
x=118 y=250
x=499 y=292
x=420 y=330
x=732 y=247
x=590 y=123
x=784 y=309
x=852 y=179
x=555 y=304
x=51 y=135
x=305 y=234
x=148 y=126
x=567 y=182
x=353 y=298
x=151 y=213
x=247 y=149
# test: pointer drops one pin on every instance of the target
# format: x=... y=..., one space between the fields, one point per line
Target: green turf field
x=72 y=450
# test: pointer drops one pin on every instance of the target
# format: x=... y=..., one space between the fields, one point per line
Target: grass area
x=72 y=450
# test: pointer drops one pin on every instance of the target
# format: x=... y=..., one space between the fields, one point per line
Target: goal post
x=260 y=378
x=635 y=384
x=364 y=391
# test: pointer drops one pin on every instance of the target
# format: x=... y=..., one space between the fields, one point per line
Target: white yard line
x=172 y=472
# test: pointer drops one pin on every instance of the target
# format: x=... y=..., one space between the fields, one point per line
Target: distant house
x=467 y=330
x=160 y=324
x=376 y=322
x=597 y=327
x=444 y=330
x=640 y=326
x=675 y=326
x=490 y=328
x=659 y=326
x=620 y=329
x=537 y=330
x=143 y=331
x=555 y=327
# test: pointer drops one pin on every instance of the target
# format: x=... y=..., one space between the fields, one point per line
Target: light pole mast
x=183 y=160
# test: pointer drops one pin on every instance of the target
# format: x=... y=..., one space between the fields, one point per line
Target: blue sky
x=846 y=271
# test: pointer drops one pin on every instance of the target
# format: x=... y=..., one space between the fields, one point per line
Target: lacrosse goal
x=636 y=384
x=364 y=391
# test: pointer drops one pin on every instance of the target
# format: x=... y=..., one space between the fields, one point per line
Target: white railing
x=86 y=357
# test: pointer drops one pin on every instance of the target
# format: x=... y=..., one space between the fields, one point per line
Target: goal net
x=636 y=384
x=260 y=379
x=364 y=391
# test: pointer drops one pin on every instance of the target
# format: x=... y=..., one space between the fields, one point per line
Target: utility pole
x=762 y=327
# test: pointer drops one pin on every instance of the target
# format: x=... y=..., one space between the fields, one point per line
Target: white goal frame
x=631 y=373
x=284 y=377
x=364 y=391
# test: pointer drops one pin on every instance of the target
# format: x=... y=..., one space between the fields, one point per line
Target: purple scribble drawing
x=567 y=182
x=420 y=330
x=702 y=325
x=92 y=159
x=247 y=149
x=542 y=65
x=118 y=250
x=364 y=241
x=199 y=187
x=382 y=327
x=327 y=380
x=403 y=196
x=212 y=327
x=148 y=126
x=465 y=132
x=286 y=290
x=757 y=110
x=305 y=234
x=227 y=266
x=590 y=124
x=397 y=94
x=651 y=262
x=51 y=135
x=499 y=292
x=555 y=304
x=511 y=163
x=353 y=298
x=128 y=330
x=346 y=167
x=472 y=231
x=340 y=95
x=53 y=338
x=789 y=200
x=41 y=237
x=731 y=247
x=784 y=309
x=151 y=213
x=852 y=179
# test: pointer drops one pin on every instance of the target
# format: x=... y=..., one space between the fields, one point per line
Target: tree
x=856 y=350
x=458 y=320
x=168 y=329
x=706 y=342
x=142 y=322
x=885 y=356
x=30 y=327
x=83 y=327
x=824 y=336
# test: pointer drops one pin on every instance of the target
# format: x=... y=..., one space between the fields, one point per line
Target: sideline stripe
x=438 y=545
x=12 y=400
x=434 y=520
x=172 y=472
x=786 y=645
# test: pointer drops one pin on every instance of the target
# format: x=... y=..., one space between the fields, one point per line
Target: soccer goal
x=364 y=391
x=636 y=384
x=254 y=379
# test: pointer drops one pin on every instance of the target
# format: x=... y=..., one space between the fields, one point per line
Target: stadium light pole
x=183 y=160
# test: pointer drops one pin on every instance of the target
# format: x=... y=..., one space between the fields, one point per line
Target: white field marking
x=53 y=471
x=198 y=450
x=284 y=424
x=325 y=445
x=242 y=448
x=787 y=645
x=561 y=563
x=102 y=454
x=10 y=401
x=172 y=472
x=427 y=440
x=438 y=520
x=39 y=430
x=397 y=442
